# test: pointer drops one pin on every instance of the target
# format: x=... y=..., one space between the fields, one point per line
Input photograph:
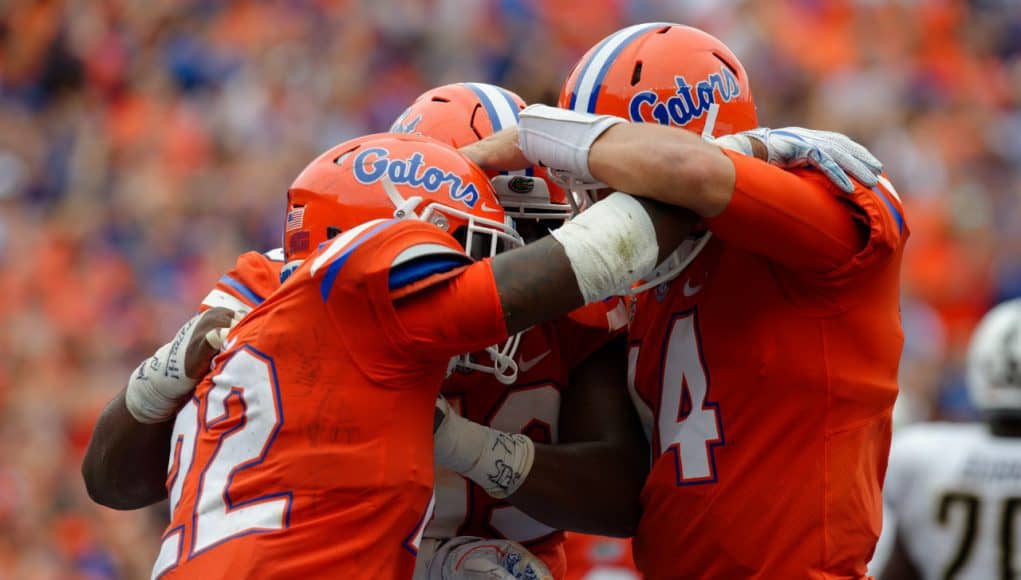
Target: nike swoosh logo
x=486 y=207
x=689 y=290
x=527 y=365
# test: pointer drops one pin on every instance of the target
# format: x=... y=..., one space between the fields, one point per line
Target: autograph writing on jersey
x=690 y=102
x=373 y=163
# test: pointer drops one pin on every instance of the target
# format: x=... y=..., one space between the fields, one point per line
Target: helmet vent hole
x=664 y=30
x=475 y=115
x=340 y=158
x=440 y=100
x=726 y=63
x=636 y=74
x=332 y=232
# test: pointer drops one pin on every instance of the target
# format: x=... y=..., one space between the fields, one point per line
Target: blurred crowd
x=143 y=145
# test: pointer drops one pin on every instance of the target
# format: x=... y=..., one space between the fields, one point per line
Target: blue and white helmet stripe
x=502 y=110
x=585 y=92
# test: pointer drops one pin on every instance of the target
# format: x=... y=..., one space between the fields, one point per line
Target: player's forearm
x=584 y=487
x=539 y=282
x=670 y=165
x=125 y=462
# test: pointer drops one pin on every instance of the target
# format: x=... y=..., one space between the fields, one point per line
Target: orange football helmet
x=663 y=73
x=387 y=176
x=463 y=113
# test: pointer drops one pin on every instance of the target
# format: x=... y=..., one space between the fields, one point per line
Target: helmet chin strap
x=710 y=121
x=404 y=208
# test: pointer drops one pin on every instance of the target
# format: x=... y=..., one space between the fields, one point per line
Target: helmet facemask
x=482 y=238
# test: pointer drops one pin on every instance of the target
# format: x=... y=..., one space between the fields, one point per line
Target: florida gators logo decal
x=690 y=102
x=372 y=164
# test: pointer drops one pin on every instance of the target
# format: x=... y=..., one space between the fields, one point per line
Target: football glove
x=163 y=381
x=499 y=462
x=471 y=558
x=834 y=154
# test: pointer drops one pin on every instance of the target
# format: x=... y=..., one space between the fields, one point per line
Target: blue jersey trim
x=422 y=268
x=893 y=210
x=338 y=263
x=242 y=289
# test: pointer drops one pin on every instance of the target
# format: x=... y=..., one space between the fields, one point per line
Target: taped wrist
x=499 y=462
x=159 y=384
x=610 y=246
x=561 y=138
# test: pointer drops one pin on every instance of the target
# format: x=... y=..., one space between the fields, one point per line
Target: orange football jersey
x=531 y=405
x=307 y=451
x=254 y=277
x=765 y=375
x=599 y=558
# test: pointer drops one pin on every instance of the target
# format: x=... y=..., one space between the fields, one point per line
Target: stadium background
x=144 y=145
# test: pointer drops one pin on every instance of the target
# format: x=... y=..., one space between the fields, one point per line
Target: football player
x=954 y=490
x=563 y=369
x=305 y=452
x=764 y=362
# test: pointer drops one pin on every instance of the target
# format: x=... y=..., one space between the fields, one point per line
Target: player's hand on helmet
x=470 y=558
x=498 y=152
x=163 y=381
x=834 y=154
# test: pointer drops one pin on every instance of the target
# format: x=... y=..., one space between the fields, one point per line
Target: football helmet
x=665 y=73
x=404 y=177
x=994 y=360
x=463 y=113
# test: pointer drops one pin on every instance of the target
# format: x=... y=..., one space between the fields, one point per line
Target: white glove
x=499 y=462
x=470 y=558
x=834 y=154
x=159 y=385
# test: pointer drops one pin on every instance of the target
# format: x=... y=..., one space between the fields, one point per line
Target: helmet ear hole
x=332 y=232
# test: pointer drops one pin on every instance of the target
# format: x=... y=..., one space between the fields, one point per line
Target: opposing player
x=764 y=365
x=954 y=490
x=315 y=420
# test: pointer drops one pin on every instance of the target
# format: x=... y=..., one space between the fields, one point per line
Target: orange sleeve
x=796 y=218
x=457 y=314
x=254 y=277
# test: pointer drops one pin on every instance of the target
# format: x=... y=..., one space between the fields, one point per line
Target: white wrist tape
x=158 y=385
x=561 y=138
x=611 y=245
x=499 y=462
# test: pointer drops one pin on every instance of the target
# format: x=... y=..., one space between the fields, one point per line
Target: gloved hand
x=499 y=462
x=163 y=381
x=471 y=558
x=834 y=154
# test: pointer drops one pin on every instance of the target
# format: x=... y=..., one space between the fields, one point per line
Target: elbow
x=95 y=485
x=103 y=490
x=696 y=176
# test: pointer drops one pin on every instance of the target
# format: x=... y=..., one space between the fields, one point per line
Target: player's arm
x=564 y=485
x=568 y=486
x=125 y=463
x=597 y=254
x=803 y=223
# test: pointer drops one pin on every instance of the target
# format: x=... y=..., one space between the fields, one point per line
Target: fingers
x=217 y=336
x=823 y=162
x=207 y=339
